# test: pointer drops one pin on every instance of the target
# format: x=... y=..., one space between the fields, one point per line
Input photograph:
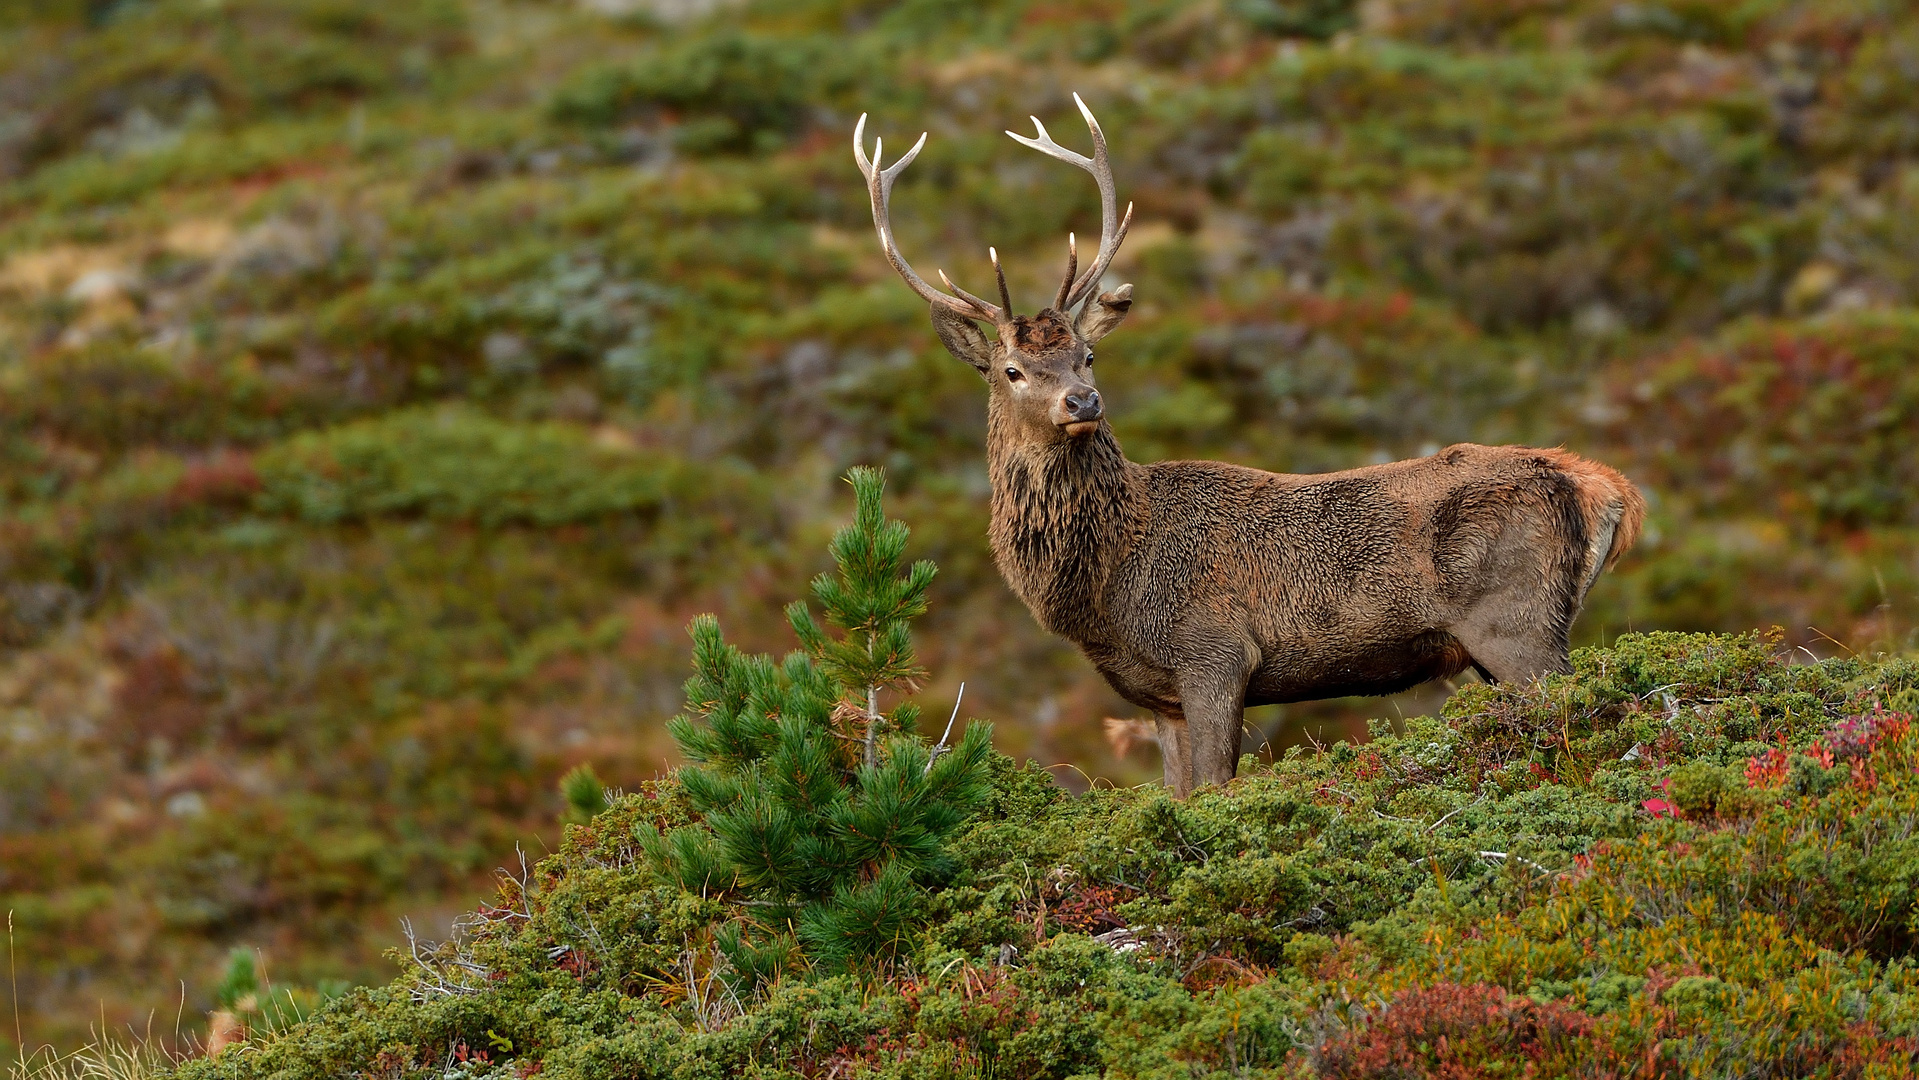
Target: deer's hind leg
x=1175 y=750
x=1518 y=629
x=1515 y=661
x=1514 y=652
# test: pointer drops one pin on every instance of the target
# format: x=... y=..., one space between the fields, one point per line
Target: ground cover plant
x=384 y=387
x=1692 y=856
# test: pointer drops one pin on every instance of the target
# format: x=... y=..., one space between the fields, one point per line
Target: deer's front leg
x=1213 y=696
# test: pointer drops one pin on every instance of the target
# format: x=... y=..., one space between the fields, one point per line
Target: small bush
x=732 y=91
x=457 y=464
x=585 y=794
x=1460 y=1031
x=1319 y=19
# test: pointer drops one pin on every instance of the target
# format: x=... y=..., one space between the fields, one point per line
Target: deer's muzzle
x=1079 y=410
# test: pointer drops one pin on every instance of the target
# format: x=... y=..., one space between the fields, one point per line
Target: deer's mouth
x=1079 y=428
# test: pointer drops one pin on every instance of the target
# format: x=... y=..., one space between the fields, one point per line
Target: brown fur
x=1198 y=588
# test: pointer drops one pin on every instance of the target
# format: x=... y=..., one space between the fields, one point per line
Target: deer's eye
x=1013 y=374
x=1089 y=358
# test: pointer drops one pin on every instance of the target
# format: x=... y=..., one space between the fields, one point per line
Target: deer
x=1198 y=589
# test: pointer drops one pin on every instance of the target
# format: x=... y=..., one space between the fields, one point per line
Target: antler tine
x=969 y=298
x=1005 y=298
x=1112 y=229
x=879 y=188
x=1045 y=144
x=1072 y=268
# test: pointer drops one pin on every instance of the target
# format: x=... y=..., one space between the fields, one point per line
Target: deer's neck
x=1063 y=516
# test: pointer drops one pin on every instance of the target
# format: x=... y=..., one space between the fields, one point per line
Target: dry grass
x=104 y=1058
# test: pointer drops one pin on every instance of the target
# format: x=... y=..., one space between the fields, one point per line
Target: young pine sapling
x=826 y=816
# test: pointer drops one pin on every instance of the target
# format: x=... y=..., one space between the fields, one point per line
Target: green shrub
x=1297 y=18
x=733 y=91
x=115 y=396
x=457 y=464
x=585 y=794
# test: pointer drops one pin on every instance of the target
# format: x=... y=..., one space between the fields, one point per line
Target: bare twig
x=522 y=884
x=19 y=1038
x=438 y=982
x=1449 y=815
x=941 y=748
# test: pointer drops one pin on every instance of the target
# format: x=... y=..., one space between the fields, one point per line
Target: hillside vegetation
x=385 y=386
x=1689 y=857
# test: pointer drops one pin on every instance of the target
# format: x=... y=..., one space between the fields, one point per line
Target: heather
x=385 y=388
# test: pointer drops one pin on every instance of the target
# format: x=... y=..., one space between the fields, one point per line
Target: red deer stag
x=1199 y=588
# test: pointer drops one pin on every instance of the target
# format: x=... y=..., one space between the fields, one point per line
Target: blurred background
x=384 y=385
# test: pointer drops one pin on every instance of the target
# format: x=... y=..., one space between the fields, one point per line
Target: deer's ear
x=1102 y=315
x=963 y=338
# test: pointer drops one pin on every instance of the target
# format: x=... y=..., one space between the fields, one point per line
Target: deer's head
x=1039 y=368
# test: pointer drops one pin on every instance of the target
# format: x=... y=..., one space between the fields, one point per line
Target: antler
x=879 y=187
x=1112 y=228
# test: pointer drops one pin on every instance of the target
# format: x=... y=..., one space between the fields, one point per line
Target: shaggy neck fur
x=1063 y=515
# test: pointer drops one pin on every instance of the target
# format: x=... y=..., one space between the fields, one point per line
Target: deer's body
x=1198 y=588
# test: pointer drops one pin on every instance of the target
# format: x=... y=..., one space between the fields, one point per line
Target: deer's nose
x=1083 y=404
